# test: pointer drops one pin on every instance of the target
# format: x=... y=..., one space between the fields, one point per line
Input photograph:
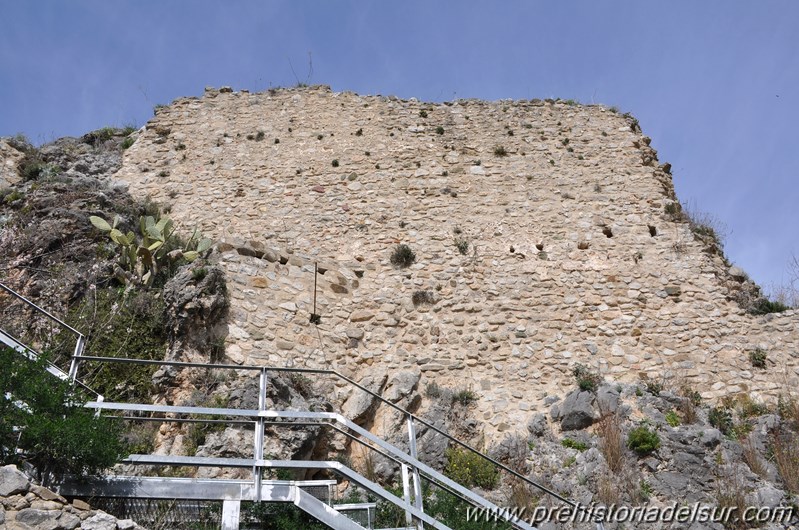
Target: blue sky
x=714 y=83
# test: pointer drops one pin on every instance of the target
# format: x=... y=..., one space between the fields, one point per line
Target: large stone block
x=12 y=481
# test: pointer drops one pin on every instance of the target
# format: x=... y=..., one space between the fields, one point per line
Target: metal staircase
x=416 y=475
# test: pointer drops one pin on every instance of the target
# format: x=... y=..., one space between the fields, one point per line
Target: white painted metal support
x=406 y=492
x=230 y=515
x=80 y=343
x=417 y=481
x=259 y=434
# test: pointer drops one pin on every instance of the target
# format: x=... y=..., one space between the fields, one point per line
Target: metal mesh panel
x=361 y=516
x=177 y=514
x=320 y=492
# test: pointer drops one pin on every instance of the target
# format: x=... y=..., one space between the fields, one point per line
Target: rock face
x=560 y=209
x=12 y=481
x=196 y=313
x=577 y=411
x=24 y=506
x=10 y=156
x=44 y=226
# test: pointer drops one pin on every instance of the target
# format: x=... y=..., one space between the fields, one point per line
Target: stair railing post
x=258 y=452
x=406 y=492
x=417 y=482
x=73 y=364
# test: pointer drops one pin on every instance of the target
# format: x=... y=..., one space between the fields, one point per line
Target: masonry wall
x=571 y=257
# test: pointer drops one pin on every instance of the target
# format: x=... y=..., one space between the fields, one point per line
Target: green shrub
x=423 y=298
x=433 y=390
x=53 y=431
x=462 y=245
x=646 y=490
x=402 y=256
x=693 y=396
x=654 y=387
x=471 y=469
x=464 y=396
x=574 y=444
x=642 y=440
x=674 y=210
x=14 y=195
x=196 y=433
x=121 y=323
x=720 y=418
x=586 y=379
x=500 y=151
x=334 y=163
x=127 y=142
x=102 y=135
x=765 y=306
x=422 y=113
x=31 y=167
x=302 y=384
x=139 y=438
x=454 y=513
x=758 y=358
x=749 y=408
x=439 y=130
x=672 y=418
x=199 y=274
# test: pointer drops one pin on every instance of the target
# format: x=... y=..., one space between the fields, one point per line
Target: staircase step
x=324 y=513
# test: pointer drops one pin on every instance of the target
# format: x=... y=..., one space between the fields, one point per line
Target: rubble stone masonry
x=571 y=257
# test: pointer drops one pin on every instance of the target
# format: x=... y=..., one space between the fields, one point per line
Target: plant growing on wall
x=155 y=247
x=402 y=256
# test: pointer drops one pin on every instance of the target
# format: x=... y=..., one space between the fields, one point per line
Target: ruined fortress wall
x=571 y=257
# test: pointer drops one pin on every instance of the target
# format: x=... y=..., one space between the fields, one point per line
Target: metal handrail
x=80 y=341
x=184 y=364
x=15 y=294
x=77 y=357
x=431 y=474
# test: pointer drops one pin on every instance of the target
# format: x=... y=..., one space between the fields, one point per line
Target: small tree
x=44 y=423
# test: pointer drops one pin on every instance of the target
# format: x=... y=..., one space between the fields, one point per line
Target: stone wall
x=570 y=256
